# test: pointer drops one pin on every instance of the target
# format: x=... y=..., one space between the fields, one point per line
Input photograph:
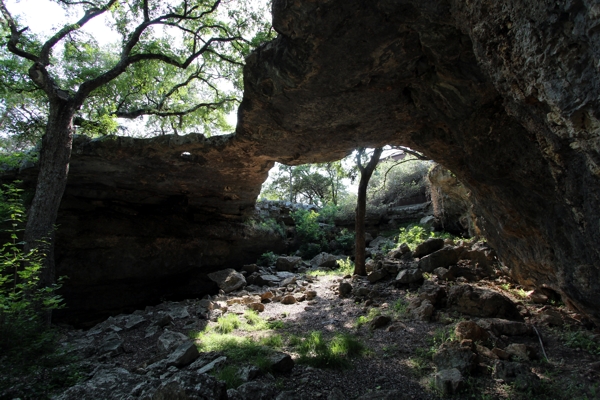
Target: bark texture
x=504 y=94
x=366 y=171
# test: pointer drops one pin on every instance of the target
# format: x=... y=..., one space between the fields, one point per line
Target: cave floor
x=397 y=363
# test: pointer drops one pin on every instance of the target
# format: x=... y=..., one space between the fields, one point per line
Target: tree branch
x=149 y=111
x=15 y=35
x=91 y=13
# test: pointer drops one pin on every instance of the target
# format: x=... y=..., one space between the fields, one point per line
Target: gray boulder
x=428 y=247
x=482 y=302
x=377 y=275
x=325 y=260
x=183 y=355
x=442 y=258
x=281 y=362
x=169 y=340
x=448 y=381
x=409 y=276
x=287 y=263
x=454 y=355
x=228 y=279
x=517 y=374
x=253 y=391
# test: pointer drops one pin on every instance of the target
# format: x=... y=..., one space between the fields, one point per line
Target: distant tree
x=366 y=171
x=166 y=68
x=318 y=184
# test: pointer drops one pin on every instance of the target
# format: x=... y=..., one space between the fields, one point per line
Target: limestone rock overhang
x=505 y=95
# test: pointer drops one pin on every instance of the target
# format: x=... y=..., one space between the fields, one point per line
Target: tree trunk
x=52 y=179
x=361 y=207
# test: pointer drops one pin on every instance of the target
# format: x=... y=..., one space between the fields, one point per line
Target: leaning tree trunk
x=52 y=180
x=361 y=207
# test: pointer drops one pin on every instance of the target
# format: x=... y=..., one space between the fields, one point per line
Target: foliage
x=328 y=213
x=345 y=267
x=179 y=63
x=268 y=225
x=267 y=259
x=393 y=181
x=29 y=352
x=307 y=226
x=336 y=353
x=413 y=235
x=366 y=319
x=317 y=184
x=345 y=239
x=580 y=339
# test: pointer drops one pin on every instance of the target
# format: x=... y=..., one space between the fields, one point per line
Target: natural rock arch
x=504 y=95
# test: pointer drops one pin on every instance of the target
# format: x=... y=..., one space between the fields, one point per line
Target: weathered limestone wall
x=504 y=94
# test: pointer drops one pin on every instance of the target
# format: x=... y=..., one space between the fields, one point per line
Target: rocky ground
x=438 y=321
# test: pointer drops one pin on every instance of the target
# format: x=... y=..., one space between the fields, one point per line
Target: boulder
x=442 y=258
x=521 y=351
x=134 y=321
x=345 y=288
x=436 y=294
x=287 y=263
x=448 y=381
x=378 y=275
x=379 y=322
x=470 y=330
x=249 y=372
x=455 y=355
x=169 y=340
x=501 y=327
x=252 y=391
x=421 y=309
x=485 y=352
x=228 y=279
x=325 y=261
x=118 y=383
x=258 y=307
x=281 y=362
x=517 y=374
x=183 y=355
x=409 y=276
x=482 y=302
x=428 y=247
x=111 y=344
x=207 y=367
x=443 y=274
x=289 y=299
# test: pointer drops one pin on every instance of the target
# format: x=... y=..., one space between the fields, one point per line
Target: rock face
x=503 y=95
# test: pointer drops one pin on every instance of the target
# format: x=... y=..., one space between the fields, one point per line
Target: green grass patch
x=580 y=339
x=316 y=351
x=227 y=323
x=346 y=267
x=400 y=308
x=230 y=375
x=366 y=319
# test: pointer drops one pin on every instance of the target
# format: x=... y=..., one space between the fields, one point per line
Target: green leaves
x=179 y=63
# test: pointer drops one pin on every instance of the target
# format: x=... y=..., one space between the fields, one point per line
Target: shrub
x=413 y=235
x=268 y=226
x=307 y=226
x=345 y=239
x=328 y=213
x=29 y=350
x=267 y=259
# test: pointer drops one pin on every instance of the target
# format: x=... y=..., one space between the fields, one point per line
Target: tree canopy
x=178 y=64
